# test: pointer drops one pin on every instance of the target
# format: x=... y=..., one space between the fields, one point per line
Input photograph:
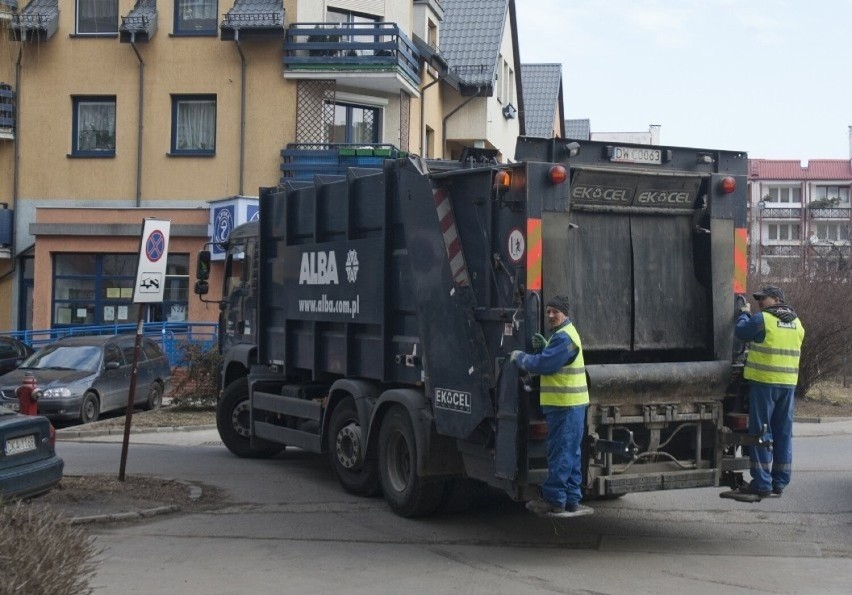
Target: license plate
x=637 y=155
x=19 y=445
x=12 y=406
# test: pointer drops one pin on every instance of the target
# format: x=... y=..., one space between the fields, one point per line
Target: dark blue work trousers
x=771 y=405
x=565 y=427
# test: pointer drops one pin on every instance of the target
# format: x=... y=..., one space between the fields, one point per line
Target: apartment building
x=800 y=216
x=181 y=109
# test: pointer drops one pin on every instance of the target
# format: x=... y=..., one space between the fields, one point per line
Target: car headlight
x=55 y=393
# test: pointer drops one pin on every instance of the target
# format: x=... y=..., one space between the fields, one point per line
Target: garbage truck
x=373 y=315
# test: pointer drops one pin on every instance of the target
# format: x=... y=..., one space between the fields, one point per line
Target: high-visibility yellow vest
x=566 y=387
x=776 y=360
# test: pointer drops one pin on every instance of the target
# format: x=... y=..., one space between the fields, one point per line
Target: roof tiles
x=816 y=169
x=540 y=84
x=471 y=37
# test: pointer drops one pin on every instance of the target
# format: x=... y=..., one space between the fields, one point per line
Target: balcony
x=781 y=250
x=304 y=161
x=778 y=212
x=838 y=212
x=372 y=56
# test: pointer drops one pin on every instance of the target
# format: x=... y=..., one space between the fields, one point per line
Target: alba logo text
x=318 y=268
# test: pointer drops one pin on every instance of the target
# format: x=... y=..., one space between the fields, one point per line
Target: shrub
x=820 y=294
x=41 y=553
x=196 y=386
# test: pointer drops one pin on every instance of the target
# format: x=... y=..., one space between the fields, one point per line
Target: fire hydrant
x=28 y=395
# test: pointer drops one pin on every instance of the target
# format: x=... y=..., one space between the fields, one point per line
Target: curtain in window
x=196 y=124
x=193 y=13
x=96 y=127
x=97 y=16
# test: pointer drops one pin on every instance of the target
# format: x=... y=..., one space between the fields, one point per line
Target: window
x=97 y=17
x=96 y=289
x=784 y=194
x=783 y=231
x=196 y=17
x=193 y=125
x=829 y=193
x=354 y=124
x=176 y=293
x=832 y=232
x=349 y=21
x=94 y=126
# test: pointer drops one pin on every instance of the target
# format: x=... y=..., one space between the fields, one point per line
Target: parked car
x=12 y=353
x=28 y=462
x=82 y=377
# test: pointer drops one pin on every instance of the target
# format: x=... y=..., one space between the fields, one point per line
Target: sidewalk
x=209 y=436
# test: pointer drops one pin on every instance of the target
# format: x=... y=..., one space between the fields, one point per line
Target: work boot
x=748 y=489
x=776 y=492
x=542 y=507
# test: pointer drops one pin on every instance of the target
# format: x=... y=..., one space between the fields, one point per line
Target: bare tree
x=821 y=294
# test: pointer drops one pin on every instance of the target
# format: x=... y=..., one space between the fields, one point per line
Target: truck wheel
x=346 y=451
x=407 y=493
x=90 y=409
x=233 y=422
x=155 y=397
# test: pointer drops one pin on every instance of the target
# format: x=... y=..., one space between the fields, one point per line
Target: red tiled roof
x=816 y=169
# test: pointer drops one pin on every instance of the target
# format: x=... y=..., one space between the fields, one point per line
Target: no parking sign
x=153 y=254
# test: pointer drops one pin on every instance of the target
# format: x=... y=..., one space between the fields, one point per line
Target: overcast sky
x=771 y=77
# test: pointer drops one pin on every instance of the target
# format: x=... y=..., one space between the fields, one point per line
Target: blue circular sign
x=155 y=245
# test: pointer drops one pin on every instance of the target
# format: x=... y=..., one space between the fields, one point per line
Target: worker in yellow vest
x=564 y=398
x=772 y=369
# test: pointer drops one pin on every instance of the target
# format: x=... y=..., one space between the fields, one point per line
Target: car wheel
x=347 y=445
x=407 y=493
x=155 y=397
x=90 y=409
x=233 y=420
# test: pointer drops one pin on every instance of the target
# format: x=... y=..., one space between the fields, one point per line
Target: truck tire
x=233 y=423
x=408 y=494
x=346 y=451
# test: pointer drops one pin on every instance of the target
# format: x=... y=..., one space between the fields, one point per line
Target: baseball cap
x=769 y=291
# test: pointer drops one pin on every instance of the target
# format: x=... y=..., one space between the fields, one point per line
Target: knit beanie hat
x=560 y=302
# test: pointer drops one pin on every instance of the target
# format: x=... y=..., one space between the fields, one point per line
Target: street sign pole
x=131 y=395
x=149 y=288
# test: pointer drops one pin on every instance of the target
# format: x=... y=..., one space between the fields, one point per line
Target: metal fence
x=171 y=336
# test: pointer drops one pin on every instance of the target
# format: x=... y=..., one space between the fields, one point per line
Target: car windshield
x=65 y=357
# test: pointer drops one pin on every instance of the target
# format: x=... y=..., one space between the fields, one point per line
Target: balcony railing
x=781 y=250
x=304 y=161
x=350 y=47
x=830 y=212
x=781 y=212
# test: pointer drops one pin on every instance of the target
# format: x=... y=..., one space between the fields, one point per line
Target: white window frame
x=82 y=5
x=783 y=232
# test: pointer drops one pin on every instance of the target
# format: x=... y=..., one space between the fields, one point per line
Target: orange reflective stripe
x=533 y=254
x=740 y=259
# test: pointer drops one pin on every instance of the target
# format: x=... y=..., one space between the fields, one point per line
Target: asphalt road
x=289 y=528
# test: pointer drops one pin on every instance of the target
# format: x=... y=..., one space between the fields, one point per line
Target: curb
x=195 y=493
x=71 y=433
x=818 y=419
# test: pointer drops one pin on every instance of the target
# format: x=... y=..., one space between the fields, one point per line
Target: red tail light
x=738 y=421
x=538 y=430
x=728 y=184
x=558 y=174
x=51 y=440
